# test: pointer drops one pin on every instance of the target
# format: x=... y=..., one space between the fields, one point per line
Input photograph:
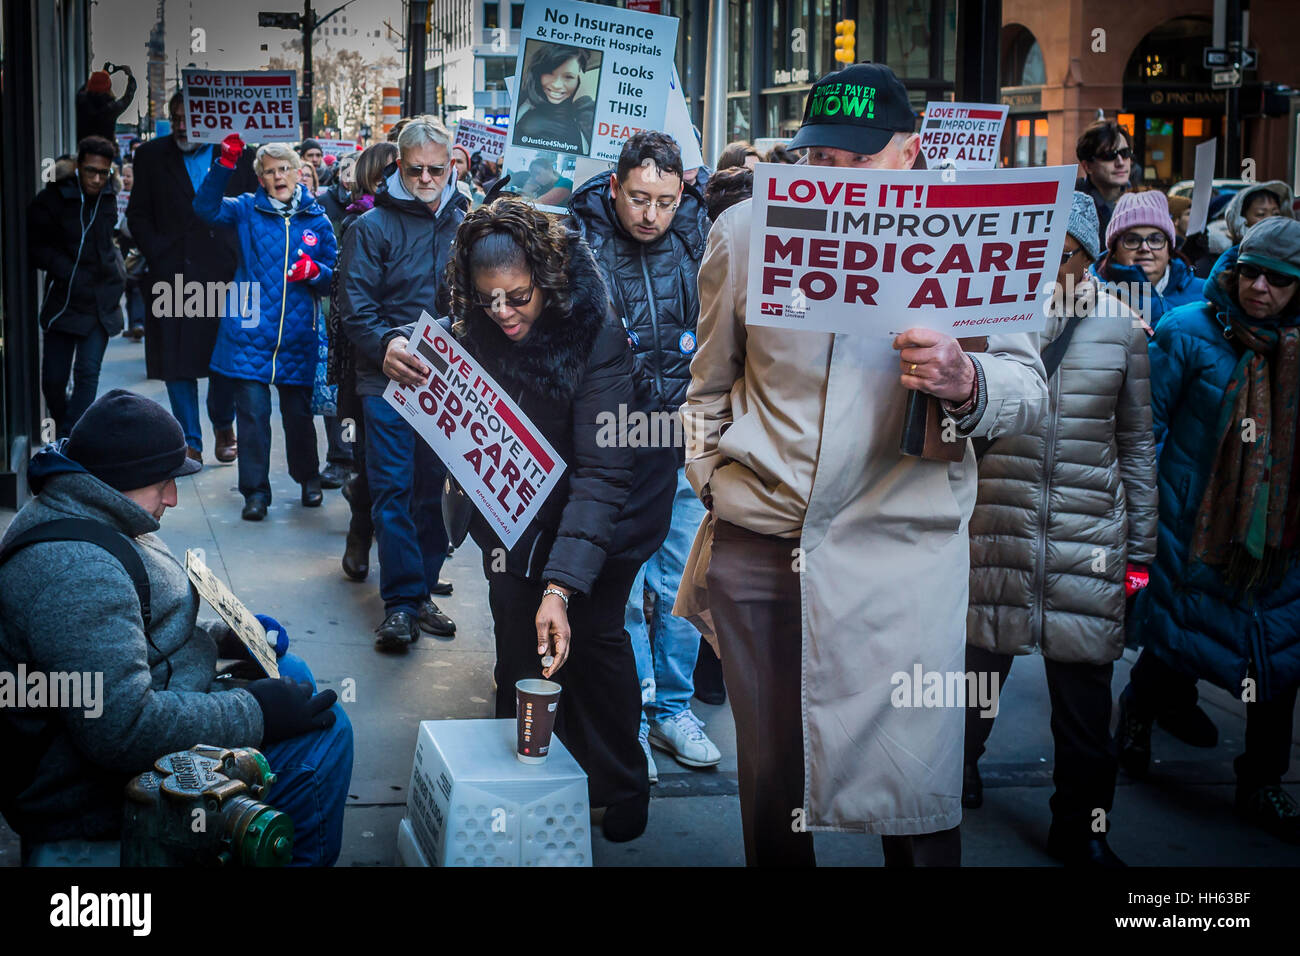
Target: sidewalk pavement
x=288 y=566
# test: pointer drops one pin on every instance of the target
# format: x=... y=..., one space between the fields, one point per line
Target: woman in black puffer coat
x=531 y=306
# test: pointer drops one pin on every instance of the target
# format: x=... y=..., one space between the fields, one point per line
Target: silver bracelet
x=551 y=589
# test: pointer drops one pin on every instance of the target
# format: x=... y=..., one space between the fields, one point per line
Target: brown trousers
x=756 y=606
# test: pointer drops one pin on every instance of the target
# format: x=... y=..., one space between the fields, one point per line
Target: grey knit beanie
x=1084 y=225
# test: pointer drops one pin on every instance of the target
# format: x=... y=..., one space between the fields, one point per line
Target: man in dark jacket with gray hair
x=70 y=607
x=647 y=228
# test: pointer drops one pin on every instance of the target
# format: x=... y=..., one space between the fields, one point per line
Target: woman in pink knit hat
x=1140 y=266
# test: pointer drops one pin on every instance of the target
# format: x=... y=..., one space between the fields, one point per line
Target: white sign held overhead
x=966 y=133
x=260 y=105
x=476 y=137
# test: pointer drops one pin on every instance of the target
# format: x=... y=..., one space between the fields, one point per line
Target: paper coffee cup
x=535 y=703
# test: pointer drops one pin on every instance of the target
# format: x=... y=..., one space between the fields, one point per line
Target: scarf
x=1244 y=512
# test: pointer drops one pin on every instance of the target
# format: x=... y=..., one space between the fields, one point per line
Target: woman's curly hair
x=542 y=241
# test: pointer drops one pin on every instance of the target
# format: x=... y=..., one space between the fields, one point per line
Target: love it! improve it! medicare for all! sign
x=864 y=251
x=503 y=461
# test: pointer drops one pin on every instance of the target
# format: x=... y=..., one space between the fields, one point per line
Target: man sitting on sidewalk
x=69 y=606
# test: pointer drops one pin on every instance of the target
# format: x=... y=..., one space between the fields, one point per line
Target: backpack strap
x=93 y=532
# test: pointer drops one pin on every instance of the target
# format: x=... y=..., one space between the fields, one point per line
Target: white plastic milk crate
x=471 y=803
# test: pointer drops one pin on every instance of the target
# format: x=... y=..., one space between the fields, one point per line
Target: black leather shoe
x=1271 y=808
x=435 y=622
x=254 y=509
x=1086 y=849
x=1192 y=726
x=626 y=820
x=347 y=486
x=333 y=476
x=972 y=787
x=398 y=632
x=311 y=493
x=442 y=589
x=1133 y=737
x=356 y=556
x=709 y=686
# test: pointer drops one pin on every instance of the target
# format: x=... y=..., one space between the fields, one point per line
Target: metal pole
x=715 y=83
x=1232 y=97
x=307 y=28
x=417 y=43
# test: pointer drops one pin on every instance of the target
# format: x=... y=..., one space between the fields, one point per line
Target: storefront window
x=738 y=125
x=865 y=32
x=907 y=37
x=491 y=16
x=740 y=23
x=1028 y=141
x=950 y=41
x=785 y=113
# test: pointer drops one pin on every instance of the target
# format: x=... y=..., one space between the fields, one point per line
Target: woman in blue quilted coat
x=1223 y=602
x=286 y=259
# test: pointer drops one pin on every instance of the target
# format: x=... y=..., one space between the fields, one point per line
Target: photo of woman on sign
x=554 y=111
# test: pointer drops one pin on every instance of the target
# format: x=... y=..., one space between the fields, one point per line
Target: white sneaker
x=652 y=771
x=681 y=736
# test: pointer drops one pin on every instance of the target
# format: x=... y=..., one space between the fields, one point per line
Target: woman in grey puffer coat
x=1063 y=527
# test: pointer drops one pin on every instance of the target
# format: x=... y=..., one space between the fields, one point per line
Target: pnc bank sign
x=844 y=99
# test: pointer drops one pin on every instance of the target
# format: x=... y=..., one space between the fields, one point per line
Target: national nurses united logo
x=844 y=99
x=309 y=237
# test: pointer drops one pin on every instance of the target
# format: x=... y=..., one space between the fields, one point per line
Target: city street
x=288 y=567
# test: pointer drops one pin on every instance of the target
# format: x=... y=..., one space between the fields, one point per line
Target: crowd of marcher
x=789 y=530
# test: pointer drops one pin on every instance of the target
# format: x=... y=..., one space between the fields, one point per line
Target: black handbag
x=457 y=511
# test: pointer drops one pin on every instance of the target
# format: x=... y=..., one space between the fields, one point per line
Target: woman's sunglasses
x=514 y=301
x=1278 y=280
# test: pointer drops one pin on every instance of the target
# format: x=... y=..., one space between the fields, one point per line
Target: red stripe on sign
x=267 y=80
x=985 y=114
x=999 y=194
x=524 y=436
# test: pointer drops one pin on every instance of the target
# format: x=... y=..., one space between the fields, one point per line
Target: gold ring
x=913 y=368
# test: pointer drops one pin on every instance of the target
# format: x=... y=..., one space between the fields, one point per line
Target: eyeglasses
x=277 y=170
x=1109 y=155
x=1278 y=280
x=417 y=172
x=1067 y=256
x=96 y=172
x=514 y=301
x=663 y=205
x=1131 y=240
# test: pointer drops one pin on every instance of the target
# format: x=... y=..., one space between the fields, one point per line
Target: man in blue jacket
x=396 y=255
x=286 y=259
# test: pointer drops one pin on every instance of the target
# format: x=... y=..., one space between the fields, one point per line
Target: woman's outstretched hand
x=553 y=633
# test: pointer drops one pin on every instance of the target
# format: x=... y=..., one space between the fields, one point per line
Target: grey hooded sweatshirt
x=70 y=606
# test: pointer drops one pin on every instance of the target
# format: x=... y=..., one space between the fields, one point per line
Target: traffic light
x=284 y=21
x=440 y=96
x=845 y=41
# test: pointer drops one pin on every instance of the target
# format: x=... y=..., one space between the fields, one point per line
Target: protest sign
x=259 y=105
x=677 y=124
x=123 y=200
x=875 y=252
x=1202 y=185
x=124 y=145
x=589 y=77
x=337 y=148
x=245 y=626
x=966 y=133
x=502 y=461
x=478 y=137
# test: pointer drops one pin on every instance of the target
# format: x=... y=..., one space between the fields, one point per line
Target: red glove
x=1135 y=579
x=303 y=269
x=232 y=147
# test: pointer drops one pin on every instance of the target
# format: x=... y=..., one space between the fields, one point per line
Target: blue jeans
x=80 y=356
x=668 y=666
x=406 y=507
x=313 y=773
x=253 y=409
x=183 y=393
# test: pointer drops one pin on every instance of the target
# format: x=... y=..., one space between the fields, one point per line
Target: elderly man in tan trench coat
x=830 y=563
